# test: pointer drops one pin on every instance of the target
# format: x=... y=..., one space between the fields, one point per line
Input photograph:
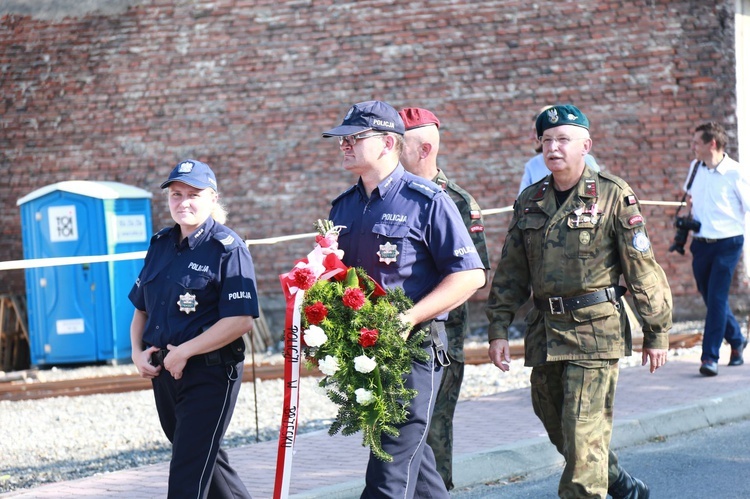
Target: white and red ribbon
x=324 y=264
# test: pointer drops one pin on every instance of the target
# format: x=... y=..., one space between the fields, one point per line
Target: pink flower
x=354 y=298
x=316 y=312
x=303 y=278
x=368 y=337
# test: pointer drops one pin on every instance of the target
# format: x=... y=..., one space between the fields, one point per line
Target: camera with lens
x=683 y=225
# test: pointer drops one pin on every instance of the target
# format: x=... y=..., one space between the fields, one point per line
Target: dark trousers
x=713 y=268
x=412 y=472
x=194 y=412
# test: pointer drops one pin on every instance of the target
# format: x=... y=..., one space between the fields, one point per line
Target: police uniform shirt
x=187 y=286
x=720 y=198
x=408 y=234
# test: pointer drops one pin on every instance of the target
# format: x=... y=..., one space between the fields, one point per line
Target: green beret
x=563 y=114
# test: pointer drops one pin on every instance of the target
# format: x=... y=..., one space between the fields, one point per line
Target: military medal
x=388 y=253
x=187 y=303
x=578 y=213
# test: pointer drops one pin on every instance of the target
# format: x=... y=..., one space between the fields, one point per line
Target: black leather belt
x=706 y=240
x=558 y=305
x=232 y=353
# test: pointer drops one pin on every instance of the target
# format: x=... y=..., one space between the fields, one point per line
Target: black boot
x=627 y=487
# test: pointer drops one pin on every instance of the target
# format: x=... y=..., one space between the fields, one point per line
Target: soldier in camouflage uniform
x=572 y=236
x=422 y=141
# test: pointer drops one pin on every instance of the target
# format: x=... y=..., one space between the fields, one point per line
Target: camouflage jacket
x=594 y=238
x=457 y=324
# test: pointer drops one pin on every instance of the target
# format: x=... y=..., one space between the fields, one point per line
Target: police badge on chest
x=187 y=302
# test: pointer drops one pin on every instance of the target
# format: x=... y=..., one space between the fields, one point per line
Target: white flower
x=364 y=364
x=329 y=365
x=315 y=336
x=364 y=397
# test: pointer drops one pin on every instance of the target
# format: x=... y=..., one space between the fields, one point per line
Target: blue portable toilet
x=80 y=313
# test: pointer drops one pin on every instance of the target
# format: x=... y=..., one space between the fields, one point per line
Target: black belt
x=559 y=305
x=708 y=240
x=228 y=354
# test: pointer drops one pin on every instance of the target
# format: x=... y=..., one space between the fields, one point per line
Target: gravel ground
x=57 y=439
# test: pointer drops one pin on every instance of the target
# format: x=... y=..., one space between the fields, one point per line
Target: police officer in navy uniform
x=405 y=232
x=194 y=299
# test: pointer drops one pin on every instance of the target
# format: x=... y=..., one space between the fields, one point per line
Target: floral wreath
x=353 y=333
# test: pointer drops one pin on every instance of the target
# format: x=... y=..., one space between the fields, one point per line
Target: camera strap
x=695 y=165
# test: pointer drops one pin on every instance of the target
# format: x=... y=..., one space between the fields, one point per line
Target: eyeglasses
x=352 y=139
x=562 y=141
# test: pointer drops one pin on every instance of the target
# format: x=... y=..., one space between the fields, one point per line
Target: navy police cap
x=193 y=173
x=368 y=115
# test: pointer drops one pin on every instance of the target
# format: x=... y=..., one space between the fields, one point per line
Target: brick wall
x=248 y=86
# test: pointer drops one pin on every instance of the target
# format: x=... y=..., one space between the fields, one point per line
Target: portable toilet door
x=75 y=311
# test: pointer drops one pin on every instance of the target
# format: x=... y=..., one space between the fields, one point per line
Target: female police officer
x=194 y=298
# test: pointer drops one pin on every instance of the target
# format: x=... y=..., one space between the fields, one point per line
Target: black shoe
x=628 y=487
x=736 y=358
x=709 y=368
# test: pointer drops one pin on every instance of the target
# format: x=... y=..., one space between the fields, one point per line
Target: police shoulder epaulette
x=161 y=233
x=426 y=189
x=227 y=239
x=343 y=194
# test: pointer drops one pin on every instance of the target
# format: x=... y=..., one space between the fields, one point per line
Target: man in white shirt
x=720 y=199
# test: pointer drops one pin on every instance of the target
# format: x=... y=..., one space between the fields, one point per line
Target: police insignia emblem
x=552 y=115
x=388 y=253
x=641 y=242
x=187 y=303
x=185 y=167
x=584 y=237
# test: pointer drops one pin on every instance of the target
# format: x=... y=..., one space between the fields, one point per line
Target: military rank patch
x=590 y=187
x=630 y=200
x=641 y=242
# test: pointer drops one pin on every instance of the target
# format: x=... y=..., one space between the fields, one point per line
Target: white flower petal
x=315 y=336
x=329 y=365
x=364 y=364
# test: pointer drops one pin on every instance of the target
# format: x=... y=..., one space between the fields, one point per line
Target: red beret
x=415 y=117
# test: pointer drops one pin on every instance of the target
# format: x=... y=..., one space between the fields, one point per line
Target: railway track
x=22 y=389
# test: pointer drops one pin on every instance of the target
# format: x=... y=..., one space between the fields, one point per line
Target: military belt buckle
x=556 y=306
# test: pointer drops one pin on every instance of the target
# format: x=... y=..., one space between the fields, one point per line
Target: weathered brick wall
x=248 y=85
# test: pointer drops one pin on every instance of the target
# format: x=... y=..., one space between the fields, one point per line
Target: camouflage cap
x=558 y=115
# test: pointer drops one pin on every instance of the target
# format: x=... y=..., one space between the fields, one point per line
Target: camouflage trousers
x=440 y=437
x=575 y=402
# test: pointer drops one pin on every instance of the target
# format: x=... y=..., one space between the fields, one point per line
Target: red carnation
x=315 y=313
x=303 y=278
x=323 y=241
x=354 y=298
x=368 y=337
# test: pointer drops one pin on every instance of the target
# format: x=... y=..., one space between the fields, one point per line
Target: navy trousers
x=194 y=412
x=713 y=268
x=413 y=472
